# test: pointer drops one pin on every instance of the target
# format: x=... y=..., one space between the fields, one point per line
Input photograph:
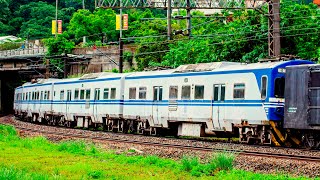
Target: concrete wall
x=103 y=59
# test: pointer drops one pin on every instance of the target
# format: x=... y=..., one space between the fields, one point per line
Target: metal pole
x=120 y=42
x=84 y=40
x=65 y=72
x=276 y=27
x=56 y=18
x=189 y=18
x=169 y=20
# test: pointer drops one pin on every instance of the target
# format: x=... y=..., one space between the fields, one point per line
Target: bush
x=223 y=161
x=95 y=174
x=220 y=161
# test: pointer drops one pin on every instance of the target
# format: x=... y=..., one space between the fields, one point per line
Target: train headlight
x=281 y=70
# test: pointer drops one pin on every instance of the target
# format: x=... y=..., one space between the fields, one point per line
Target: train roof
x=214 y=66
x=221 y=66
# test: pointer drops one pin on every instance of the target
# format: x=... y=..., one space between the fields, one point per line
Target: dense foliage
x=232 y=35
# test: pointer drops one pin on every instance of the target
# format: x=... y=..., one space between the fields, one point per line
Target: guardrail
x=23 y=51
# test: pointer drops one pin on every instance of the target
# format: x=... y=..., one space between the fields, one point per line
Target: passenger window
x=88 y=91
x=106 y=93
x=142 y=92
x=48 y=95
x=199 y=92
x=113 y=93
x=185 y=93
x=173 y=92
x=69 y=95
x=82 y=94
x=264 y=82
x=279 y=85
x=238 y=91
x=29 y=96
x=97 y=94
x=41 y=95
x=62 y=95
x=76 y=94
x=132 y=93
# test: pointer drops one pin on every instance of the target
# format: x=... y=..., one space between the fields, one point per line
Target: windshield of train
x=279 y=84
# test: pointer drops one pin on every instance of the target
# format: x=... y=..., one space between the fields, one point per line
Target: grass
x=37 y=158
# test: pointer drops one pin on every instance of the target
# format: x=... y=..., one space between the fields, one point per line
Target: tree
x=94 y=25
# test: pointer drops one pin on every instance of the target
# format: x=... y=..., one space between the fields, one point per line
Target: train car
x=210 y=98
x=191 y=100
x=302 y=105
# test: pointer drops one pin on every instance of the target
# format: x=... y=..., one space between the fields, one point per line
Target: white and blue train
x=191 y=100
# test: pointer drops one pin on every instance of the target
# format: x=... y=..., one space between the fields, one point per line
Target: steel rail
x=205 y=149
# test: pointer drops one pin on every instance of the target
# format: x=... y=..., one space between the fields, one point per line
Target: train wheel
x=153 y=131
x=311 y=141
x=140 y=128
x=120 y=125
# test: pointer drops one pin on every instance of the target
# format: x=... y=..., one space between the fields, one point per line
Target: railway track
x=196 y=148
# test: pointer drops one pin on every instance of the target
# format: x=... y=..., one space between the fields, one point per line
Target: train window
x=26 y=96
x=264 y=82
x=238 y=91
x=173 y=92
x=76 y=94
x=88 y=92
x=29 y=96
x=113 y=93
x=279 y=85
x=48 y=95
x=69 y=95
x=45 y=95
x=97 y=94
x=62 y=95
x=38 y=95
x=142 y=92
x=82 y=94
x=41 y=95
x=132 y=93
x=106 y=93
x=199 y=92
x=185 y=93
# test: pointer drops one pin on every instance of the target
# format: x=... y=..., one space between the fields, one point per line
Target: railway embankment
x=176 y=149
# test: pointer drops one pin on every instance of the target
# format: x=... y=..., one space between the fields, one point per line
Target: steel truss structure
x=182 y=4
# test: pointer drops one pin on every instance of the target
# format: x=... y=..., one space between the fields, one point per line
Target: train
x=228 y=99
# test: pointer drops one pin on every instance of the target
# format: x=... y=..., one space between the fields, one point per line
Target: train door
x=68 y=101
x=95 y=103
x=157 y=99
x=218 y=105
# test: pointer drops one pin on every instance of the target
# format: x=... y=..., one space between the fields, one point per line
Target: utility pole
x=189 y=18
x=120 y=42
x=56 y=18
x=274 y=44
x=84 y=40
x=169 y=20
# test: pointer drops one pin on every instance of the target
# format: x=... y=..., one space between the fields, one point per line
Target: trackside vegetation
x=38 y=158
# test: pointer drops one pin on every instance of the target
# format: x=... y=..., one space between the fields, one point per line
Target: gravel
x=250 y=163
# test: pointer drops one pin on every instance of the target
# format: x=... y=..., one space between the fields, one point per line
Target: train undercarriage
x=271 y=134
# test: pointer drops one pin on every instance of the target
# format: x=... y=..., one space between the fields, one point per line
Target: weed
x=14 y=174
x=223 y=161
x=95 y=174
x=189 y=163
